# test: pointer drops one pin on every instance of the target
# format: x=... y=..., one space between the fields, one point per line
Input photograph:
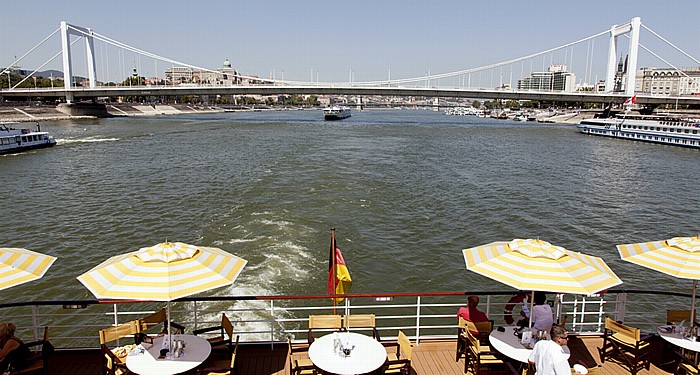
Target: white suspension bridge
x=418 y=86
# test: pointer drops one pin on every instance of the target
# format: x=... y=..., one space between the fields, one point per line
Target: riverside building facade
x=556 y=78
x=670 y=82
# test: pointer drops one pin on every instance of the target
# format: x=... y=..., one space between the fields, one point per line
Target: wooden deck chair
x=627 y=345
x=399 y=362
x=225 y=333
x=114 y=360
x=230 y=370
x=480 y=329
x=362 y=321
x=159 y=317
x=677 y=316
x=39 y=360
x=480 y=357
x=686 y=364
x=298 y=364
x=324 y=323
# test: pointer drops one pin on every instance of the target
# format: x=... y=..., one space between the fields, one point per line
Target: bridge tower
x=66 y=31
x=631 y=28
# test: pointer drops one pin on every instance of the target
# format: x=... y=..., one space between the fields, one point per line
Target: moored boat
x=16 y=140
x=336 y=113
x=647 y=128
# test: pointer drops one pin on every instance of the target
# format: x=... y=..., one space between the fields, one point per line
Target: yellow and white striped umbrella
x=163 y=272
x=678 y=256
x=18 y=266
x=528 y=264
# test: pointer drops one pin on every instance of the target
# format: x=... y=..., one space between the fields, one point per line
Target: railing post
x=418 y=320
x=573 y=323
x=116 y=317
x=272 y=324
x=35 y=322
x=196 y=315
x=557 y=307
x=488 y=305
x=601 y=311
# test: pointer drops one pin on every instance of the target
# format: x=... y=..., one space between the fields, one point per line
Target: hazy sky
x=326 y=40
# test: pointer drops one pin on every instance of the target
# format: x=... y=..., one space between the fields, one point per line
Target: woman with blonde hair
x=14 y=352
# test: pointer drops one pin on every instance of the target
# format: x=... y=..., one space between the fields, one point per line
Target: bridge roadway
x=113 y=91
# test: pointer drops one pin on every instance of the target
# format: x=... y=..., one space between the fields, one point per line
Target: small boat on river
x=647 y=128
x=336 y=113
x=16 y=140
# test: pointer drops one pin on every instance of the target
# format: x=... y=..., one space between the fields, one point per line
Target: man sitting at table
x=471 y=313
x=551 y=357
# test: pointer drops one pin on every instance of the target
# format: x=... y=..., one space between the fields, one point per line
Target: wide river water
x=406 y=190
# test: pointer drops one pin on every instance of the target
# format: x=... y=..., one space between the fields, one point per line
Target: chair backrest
x=228 y=327
x=156 y=318
x=360 y=321
x=127 y=329
x=473 y=342
x=405 y=346
x=677 y=316
x=325 y=321
x=631 y=332
x=562 y=321
x=481 y=327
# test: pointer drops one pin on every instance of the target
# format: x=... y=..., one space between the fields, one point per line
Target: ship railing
x=270 y=319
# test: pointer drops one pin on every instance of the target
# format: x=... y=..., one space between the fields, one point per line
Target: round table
x=196 y=351
x=367 y=356
x=675 y=338
x=509 y=345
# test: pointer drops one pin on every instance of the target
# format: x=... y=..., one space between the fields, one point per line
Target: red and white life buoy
x=508 y=309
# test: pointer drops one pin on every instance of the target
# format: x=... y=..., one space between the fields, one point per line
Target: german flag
x=339 y=281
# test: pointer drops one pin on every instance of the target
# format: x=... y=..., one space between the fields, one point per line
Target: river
x=406 y=190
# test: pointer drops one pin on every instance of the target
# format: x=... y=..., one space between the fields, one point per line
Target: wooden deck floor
x=429 y=358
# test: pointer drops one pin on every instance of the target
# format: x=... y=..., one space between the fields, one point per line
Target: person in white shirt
x=541 y=314
x=551 y=357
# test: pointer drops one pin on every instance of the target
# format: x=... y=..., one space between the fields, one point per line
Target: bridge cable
x=43 y=65
x=30 y=51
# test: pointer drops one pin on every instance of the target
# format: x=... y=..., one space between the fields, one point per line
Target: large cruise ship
x=647 y=128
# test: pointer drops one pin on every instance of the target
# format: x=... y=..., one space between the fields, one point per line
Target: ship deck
x=430 y=357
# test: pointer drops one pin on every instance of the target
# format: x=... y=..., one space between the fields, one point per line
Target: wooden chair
x=299 y=365
x=399 y=362
x=225 y=330
x=480 y=357
x=231 y=370
x=323 y=322
x=686 y=365
x=627 y=345
x=677 y=316
x=41 y=350
x=483 y=330
x=362 y=321
x=157 y=318
x=114 y=360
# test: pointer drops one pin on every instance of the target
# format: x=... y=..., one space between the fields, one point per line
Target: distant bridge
x=116 y=91
x=398 y=87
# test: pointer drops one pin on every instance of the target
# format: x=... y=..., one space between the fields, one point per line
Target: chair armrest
x=390 y=344
x=375 y=331
x=647 y=336
x=208 y=329
x=213 y=369
x=178 y=326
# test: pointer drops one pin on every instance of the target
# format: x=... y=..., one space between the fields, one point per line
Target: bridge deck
x=435 y=357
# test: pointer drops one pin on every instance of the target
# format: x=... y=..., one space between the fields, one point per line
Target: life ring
x=508 y=308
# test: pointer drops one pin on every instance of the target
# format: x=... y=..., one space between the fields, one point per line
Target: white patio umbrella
x=163 y=272
x=18 y=266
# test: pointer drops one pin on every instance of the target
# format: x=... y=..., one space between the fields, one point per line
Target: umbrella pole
x=532 y=303
x=692 y=305
x=170 y=336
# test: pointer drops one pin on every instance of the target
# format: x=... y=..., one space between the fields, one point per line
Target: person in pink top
x=471 y=313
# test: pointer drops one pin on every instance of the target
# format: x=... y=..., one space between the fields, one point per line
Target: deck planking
x=431 y=357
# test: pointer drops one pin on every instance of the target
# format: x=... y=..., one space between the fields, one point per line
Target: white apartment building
x=556 y=78
x=670 y=82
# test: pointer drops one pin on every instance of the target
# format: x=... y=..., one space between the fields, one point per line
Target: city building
x=556 y=78
x=224 y=76
x=672 y=82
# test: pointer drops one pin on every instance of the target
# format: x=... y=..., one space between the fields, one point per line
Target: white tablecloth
x=677 y=340
x=368 y=354
x=196 y=351
x=509 y=345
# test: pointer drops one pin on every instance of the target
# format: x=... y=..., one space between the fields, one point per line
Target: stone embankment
x=30 y=113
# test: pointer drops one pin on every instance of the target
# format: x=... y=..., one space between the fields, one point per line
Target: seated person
x=14 y=352
x=551 y=357
x=542 y=316
x=471 y=313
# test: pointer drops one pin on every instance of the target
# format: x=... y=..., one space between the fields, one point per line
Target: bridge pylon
x=631 y=28
x=66 y=31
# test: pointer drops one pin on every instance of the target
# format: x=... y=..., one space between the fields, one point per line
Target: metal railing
x=74 y=324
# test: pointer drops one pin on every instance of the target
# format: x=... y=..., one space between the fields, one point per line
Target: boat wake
x=86 y=140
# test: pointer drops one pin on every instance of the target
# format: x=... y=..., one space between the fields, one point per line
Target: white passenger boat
x=646 y=128
x=336 y=113
x=16 y=140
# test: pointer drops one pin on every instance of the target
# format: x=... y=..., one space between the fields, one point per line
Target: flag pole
x=333 y=268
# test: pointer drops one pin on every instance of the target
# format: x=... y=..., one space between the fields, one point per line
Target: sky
x=359 y=40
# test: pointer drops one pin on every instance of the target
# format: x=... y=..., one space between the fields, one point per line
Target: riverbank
x=30 y=113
